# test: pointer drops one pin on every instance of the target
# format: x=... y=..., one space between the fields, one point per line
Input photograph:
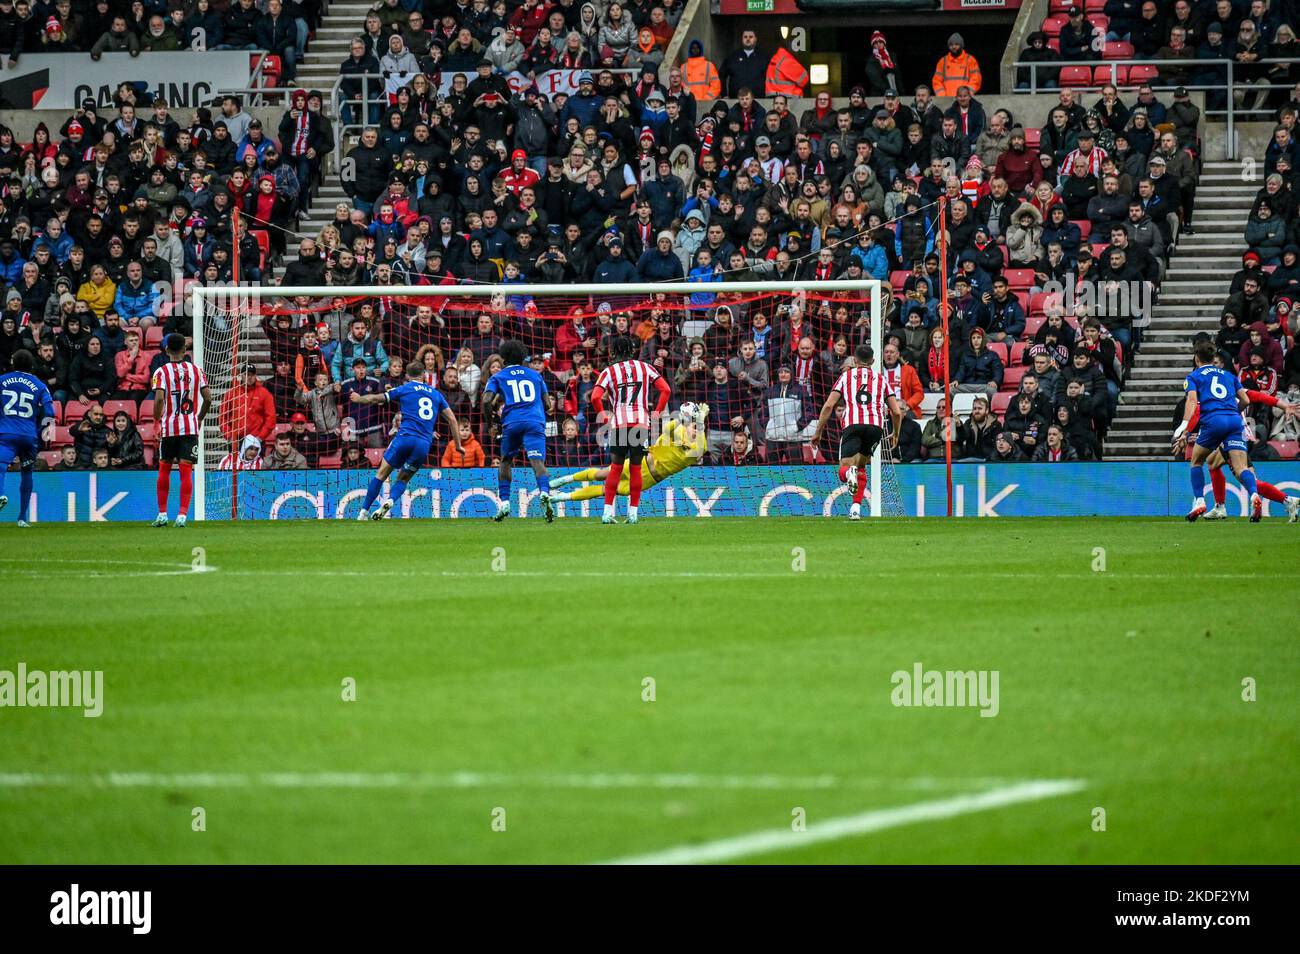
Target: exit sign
x=760 y=6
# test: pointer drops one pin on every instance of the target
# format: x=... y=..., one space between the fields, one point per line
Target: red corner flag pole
x=236 y=228
x=943 y=316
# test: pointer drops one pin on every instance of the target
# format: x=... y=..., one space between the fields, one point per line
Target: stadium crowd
x=1058 y=233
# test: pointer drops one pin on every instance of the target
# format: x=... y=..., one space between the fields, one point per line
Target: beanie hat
x=696 y=48
x=956 y=38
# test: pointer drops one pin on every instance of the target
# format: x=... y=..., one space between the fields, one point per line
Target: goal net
x=285 y=440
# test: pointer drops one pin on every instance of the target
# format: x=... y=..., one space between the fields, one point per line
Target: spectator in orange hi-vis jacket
x=473 y=453
x=248 y=408
x=956 y=69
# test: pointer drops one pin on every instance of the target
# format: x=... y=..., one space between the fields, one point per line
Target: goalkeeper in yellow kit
x=681 y=444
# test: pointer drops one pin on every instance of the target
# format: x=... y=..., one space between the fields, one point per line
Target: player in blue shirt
x=26 y=411
x=1220 y=397
x=522 y=397
x=420 y=404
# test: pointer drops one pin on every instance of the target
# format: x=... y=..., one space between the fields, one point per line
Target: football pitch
x=1086 y=691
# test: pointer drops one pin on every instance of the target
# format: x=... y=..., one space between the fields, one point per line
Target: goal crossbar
x=250 y=296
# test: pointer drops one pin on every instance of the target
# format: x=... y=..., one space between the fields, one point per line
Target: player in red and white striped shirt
x=180 y=403
x=867 y=397
x=627 y=382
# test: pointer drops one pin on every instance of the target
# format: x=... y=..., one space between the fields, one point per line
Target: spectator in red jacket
x=248 y=408
x=132 y=367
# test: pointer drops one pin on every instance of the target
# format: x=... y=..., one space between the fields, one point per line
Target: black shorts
x=176 y=449
x=859 y=439
x=626 y=451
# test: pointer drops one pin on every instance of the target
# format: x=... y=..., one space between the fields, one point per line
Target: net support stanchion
x=201 y=471
x=947 y=344
x=877 y=360
x=234 y=349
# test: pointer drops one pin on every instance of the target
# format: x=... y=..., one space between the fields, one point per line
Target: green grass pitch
x=505 y=689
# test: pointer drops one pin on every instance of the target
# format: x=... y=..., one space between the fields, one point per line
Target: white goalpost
x=227 y=323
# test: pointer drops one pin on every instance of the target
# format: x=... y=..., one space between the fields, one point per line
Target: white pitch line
x=850 y=826
x=472 y=780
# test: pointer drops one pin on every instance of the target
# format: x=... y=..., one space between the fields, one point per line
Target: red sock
x=1220 y=484
x=187 y=485
x=1269 y=492
x=844 y=473
x=611 y=483
x=634 y=486
x=862 y=485
x=164 y=484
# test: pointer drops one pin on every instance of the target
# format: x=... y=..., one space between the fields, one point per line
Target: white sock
x=631 y=511
x=609 y=510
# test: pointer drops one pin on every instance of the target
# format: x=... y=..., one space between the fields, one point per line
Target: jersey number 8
x=426 y=409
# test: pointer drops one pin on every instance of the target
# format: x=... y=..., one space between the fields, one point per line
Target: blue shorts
x=531 y=436
x=26 y=449
x=1222 y=430
x=407 y=452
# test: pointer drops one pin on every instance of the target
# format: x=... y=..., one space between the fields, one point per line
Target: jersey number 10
x=521 y=392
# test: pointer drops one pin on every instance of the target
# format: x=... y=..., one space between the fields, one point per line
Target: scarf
x=936 y=361
x=881 y=53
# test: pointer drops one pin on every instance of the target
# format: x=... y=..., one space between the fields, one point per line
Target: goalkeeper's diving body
x=681 y=444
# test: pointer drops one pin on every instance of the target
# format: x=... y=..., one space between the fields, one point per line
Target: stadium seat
x=1119 y=352
x=112 y=407
x=374 y=455
x=1091 y=7
x=153 y=338
x=50 y=457
x=330 y=461
x=1137 y=75
x=146 y=432
x=1100 y=22
x=1117 y=75
x=1033 y=136
x=1059 y=6
x=263 y=239
x=272 y=69
x=1033 y=321
x=1287 y=450
x=999 y=349
x=962 y=403
x=1054 y=44
x=74 y=412
x=146 y=411
x=1052 y=25
x=1075 y=76
x=1018 y=278
x=149 y=456
x=1011 y=377
x=1001 y=401
x=1117 y=50
x=1039 y=301
x=282 y=428
x=62 y=436
x=1022 y=296
x=1018 y=350
x=1085 y=228
x=1006 y=255
x=58 y=412
x=896 y=279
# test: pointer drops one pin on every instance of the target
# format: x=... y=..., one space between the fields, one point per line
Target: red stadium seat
x=1023 y=298
x=62 y=436
x=1033 y=136
x=1059 y=6
x=1006 y=255
x=1001 y=401
x=1085 y=228
x=112 y=407
x=1117 y=50
x=1000 y=349
x=58 y=412
x=51 y=458
x=1091 y=7
x=1018 y=278
x=896 y=279
x=1101 y=75
x=1011 y=377
x=146 y=432
x=149 y=461
x=1033 y=322
x=146 y=411
x=1119 y=352
x=1287 y=450
x=1054 y=44
x=153 y=338
x=1052 y=25
x=374 y=455
x=1099 y=22
x=1039 y=301
x=1018 y=352
x=74 y=412
x=1075 y=76
x=331 y=461
x=272 y=69
x=1137 y=75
